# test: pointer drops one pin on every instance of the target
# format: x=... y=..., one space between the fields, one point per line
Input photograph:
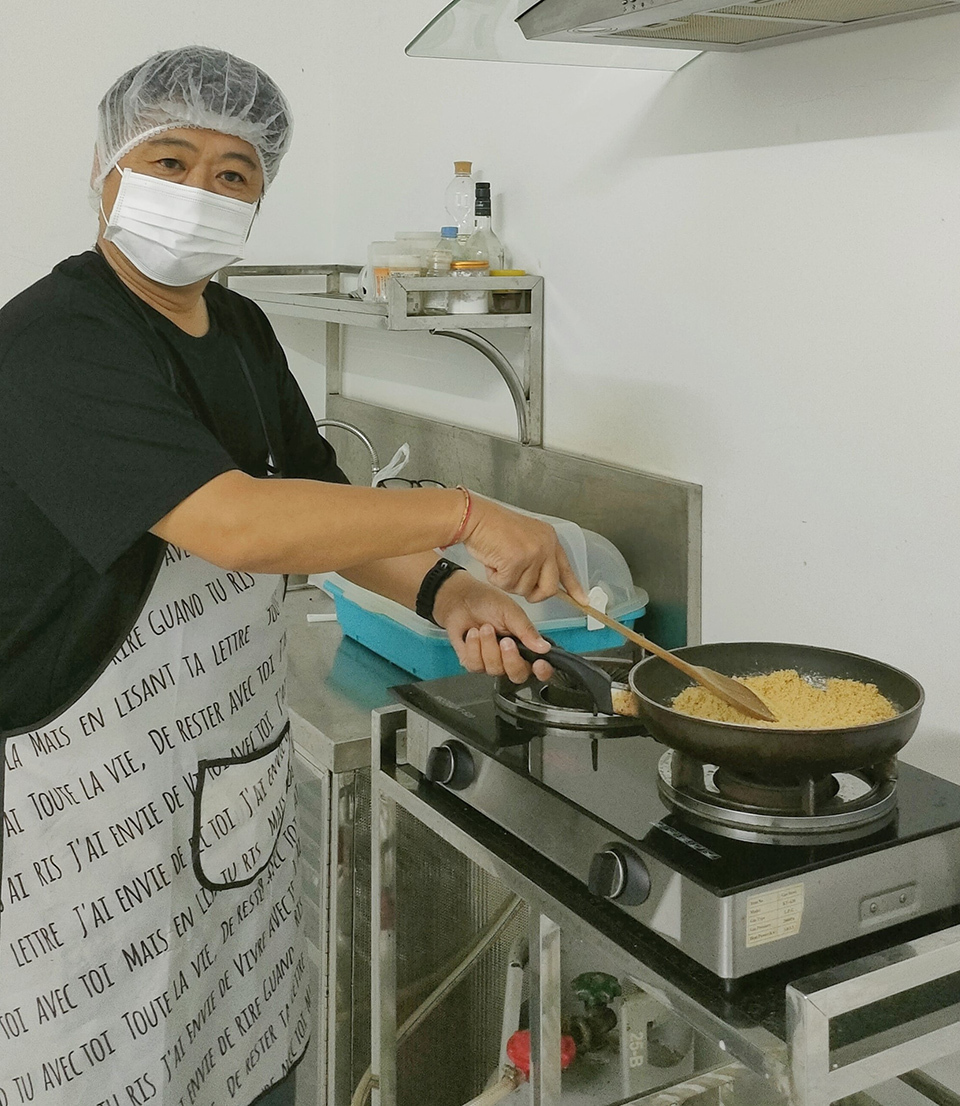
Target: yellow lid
x=470 y=265
x=462 y=166
x=508 y=272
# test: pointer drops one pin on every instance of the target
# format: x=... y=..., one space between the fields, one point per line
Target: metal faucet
x=374 y=456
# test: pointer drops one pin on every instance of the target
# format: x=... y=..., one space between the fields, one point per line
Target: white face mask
x=176 y=234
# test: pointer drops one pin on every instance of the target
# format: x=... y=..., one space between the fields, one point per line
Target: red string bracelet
x=464 y=518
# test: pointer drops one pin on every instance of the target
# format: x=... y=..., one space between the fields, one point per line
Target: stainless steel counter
x=333 y=685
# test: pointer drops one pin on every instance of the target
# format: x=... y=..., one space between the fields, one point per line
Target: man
x=150 y=947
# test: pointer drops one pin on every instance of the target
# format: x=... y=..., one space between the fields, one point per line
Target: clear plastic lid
x=596 y=561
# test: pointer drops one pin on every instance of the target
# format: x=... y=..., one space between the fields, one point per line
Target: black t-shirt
x=110 y=416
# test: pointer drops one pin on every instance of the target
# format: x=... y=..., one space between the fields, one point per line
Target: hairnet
x=194 y=86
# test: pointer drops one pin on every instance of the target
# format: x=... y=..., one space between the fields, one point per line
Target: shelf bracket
x=518 y=393
x=526 y=388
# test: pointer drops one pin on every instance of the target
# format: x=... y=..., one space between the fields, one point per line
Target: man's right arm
x=238 y=521
x=306 y=526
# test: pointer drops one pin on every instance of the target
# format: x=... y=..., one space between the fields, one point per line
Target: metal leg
x=533 y=365
x=383 y=974
x=334 y=359
x=344 y=1008
x=544 y=1010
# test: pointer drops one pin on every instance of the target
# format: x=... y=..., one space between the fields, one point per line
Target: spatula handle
x=726 y=688
x=632 y=635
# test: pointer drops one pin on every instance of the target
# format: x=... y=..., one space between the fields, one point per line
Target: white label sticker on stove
x=774 y=915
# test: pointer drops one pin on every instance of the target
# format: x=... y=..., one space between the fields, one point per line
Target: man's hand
x=521 y=554
x=476 y=615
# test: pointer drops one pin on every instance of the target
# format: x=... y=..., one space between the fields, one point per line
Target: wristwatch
x=430 y=585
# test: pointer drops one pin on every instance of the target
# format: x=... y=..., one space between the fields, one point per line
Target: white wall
x=752 y=273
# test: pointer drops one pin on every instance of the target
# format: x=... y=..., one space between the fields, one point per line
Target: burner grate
x=563 y=704
x=833 y=809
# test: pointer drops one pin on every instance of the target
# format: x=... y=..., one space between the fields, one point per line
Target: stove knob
x=618 y=874
x=451 y=764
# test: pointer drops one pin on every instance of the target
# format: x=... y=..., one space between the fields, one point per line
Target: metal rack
x=335 y=308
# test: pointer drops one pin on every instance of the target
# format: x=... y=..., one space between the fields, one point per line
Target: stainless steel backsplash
x=653 y=520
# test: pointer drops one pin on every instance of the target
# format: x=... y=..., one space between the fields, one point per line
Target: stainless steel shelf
x=336 y=309
x=345 y=310
x=325 y=307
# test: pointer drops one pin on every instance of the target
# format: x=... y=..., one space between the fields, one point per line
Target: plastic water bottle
x=439 y=260
x=459 y=199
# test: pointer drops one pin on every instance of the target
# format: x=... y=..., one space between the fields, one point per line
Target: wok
x=769 y=752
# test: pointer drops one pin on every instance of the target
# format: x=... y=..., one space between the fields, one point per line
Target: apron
x=151 y=925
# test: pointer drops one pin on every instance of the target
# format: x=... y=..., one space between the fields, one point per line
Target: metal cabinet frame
x=910 y=991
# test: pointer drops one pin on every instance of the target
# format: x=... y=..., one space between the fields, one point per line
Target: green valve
x=595 y=988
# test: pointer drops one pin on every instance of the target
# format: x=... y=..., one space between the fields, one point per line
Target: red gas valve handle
x=518 y=1051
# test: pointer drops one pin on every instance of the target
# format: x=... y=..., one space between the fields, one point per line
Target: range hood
x=700 y=25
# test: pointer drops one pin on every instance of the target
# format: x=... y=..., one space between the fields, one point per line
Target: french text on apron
x=150 y=932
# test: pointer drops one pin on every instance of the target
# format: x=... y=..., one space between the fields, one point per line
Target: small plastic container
x=417 y=646
x=398 y=258
x=420 y=647
x=509 y=301
x=421 y=239
x=379 y=256
x=438 y=261
x=466 y=300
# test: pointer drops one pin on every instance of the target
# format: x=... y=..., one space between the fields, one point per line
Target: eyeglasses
x=403 y=482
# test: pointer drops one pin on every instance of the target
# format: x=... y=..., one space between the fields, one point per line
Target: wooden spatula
x=724 y=687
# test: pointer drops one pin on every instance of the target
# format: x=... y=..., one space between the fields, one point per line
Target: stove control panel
x=618 y=874
x=452 y=765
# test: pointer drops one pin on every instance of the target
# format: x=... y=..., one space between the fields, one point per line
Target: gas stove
x=737 y=874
